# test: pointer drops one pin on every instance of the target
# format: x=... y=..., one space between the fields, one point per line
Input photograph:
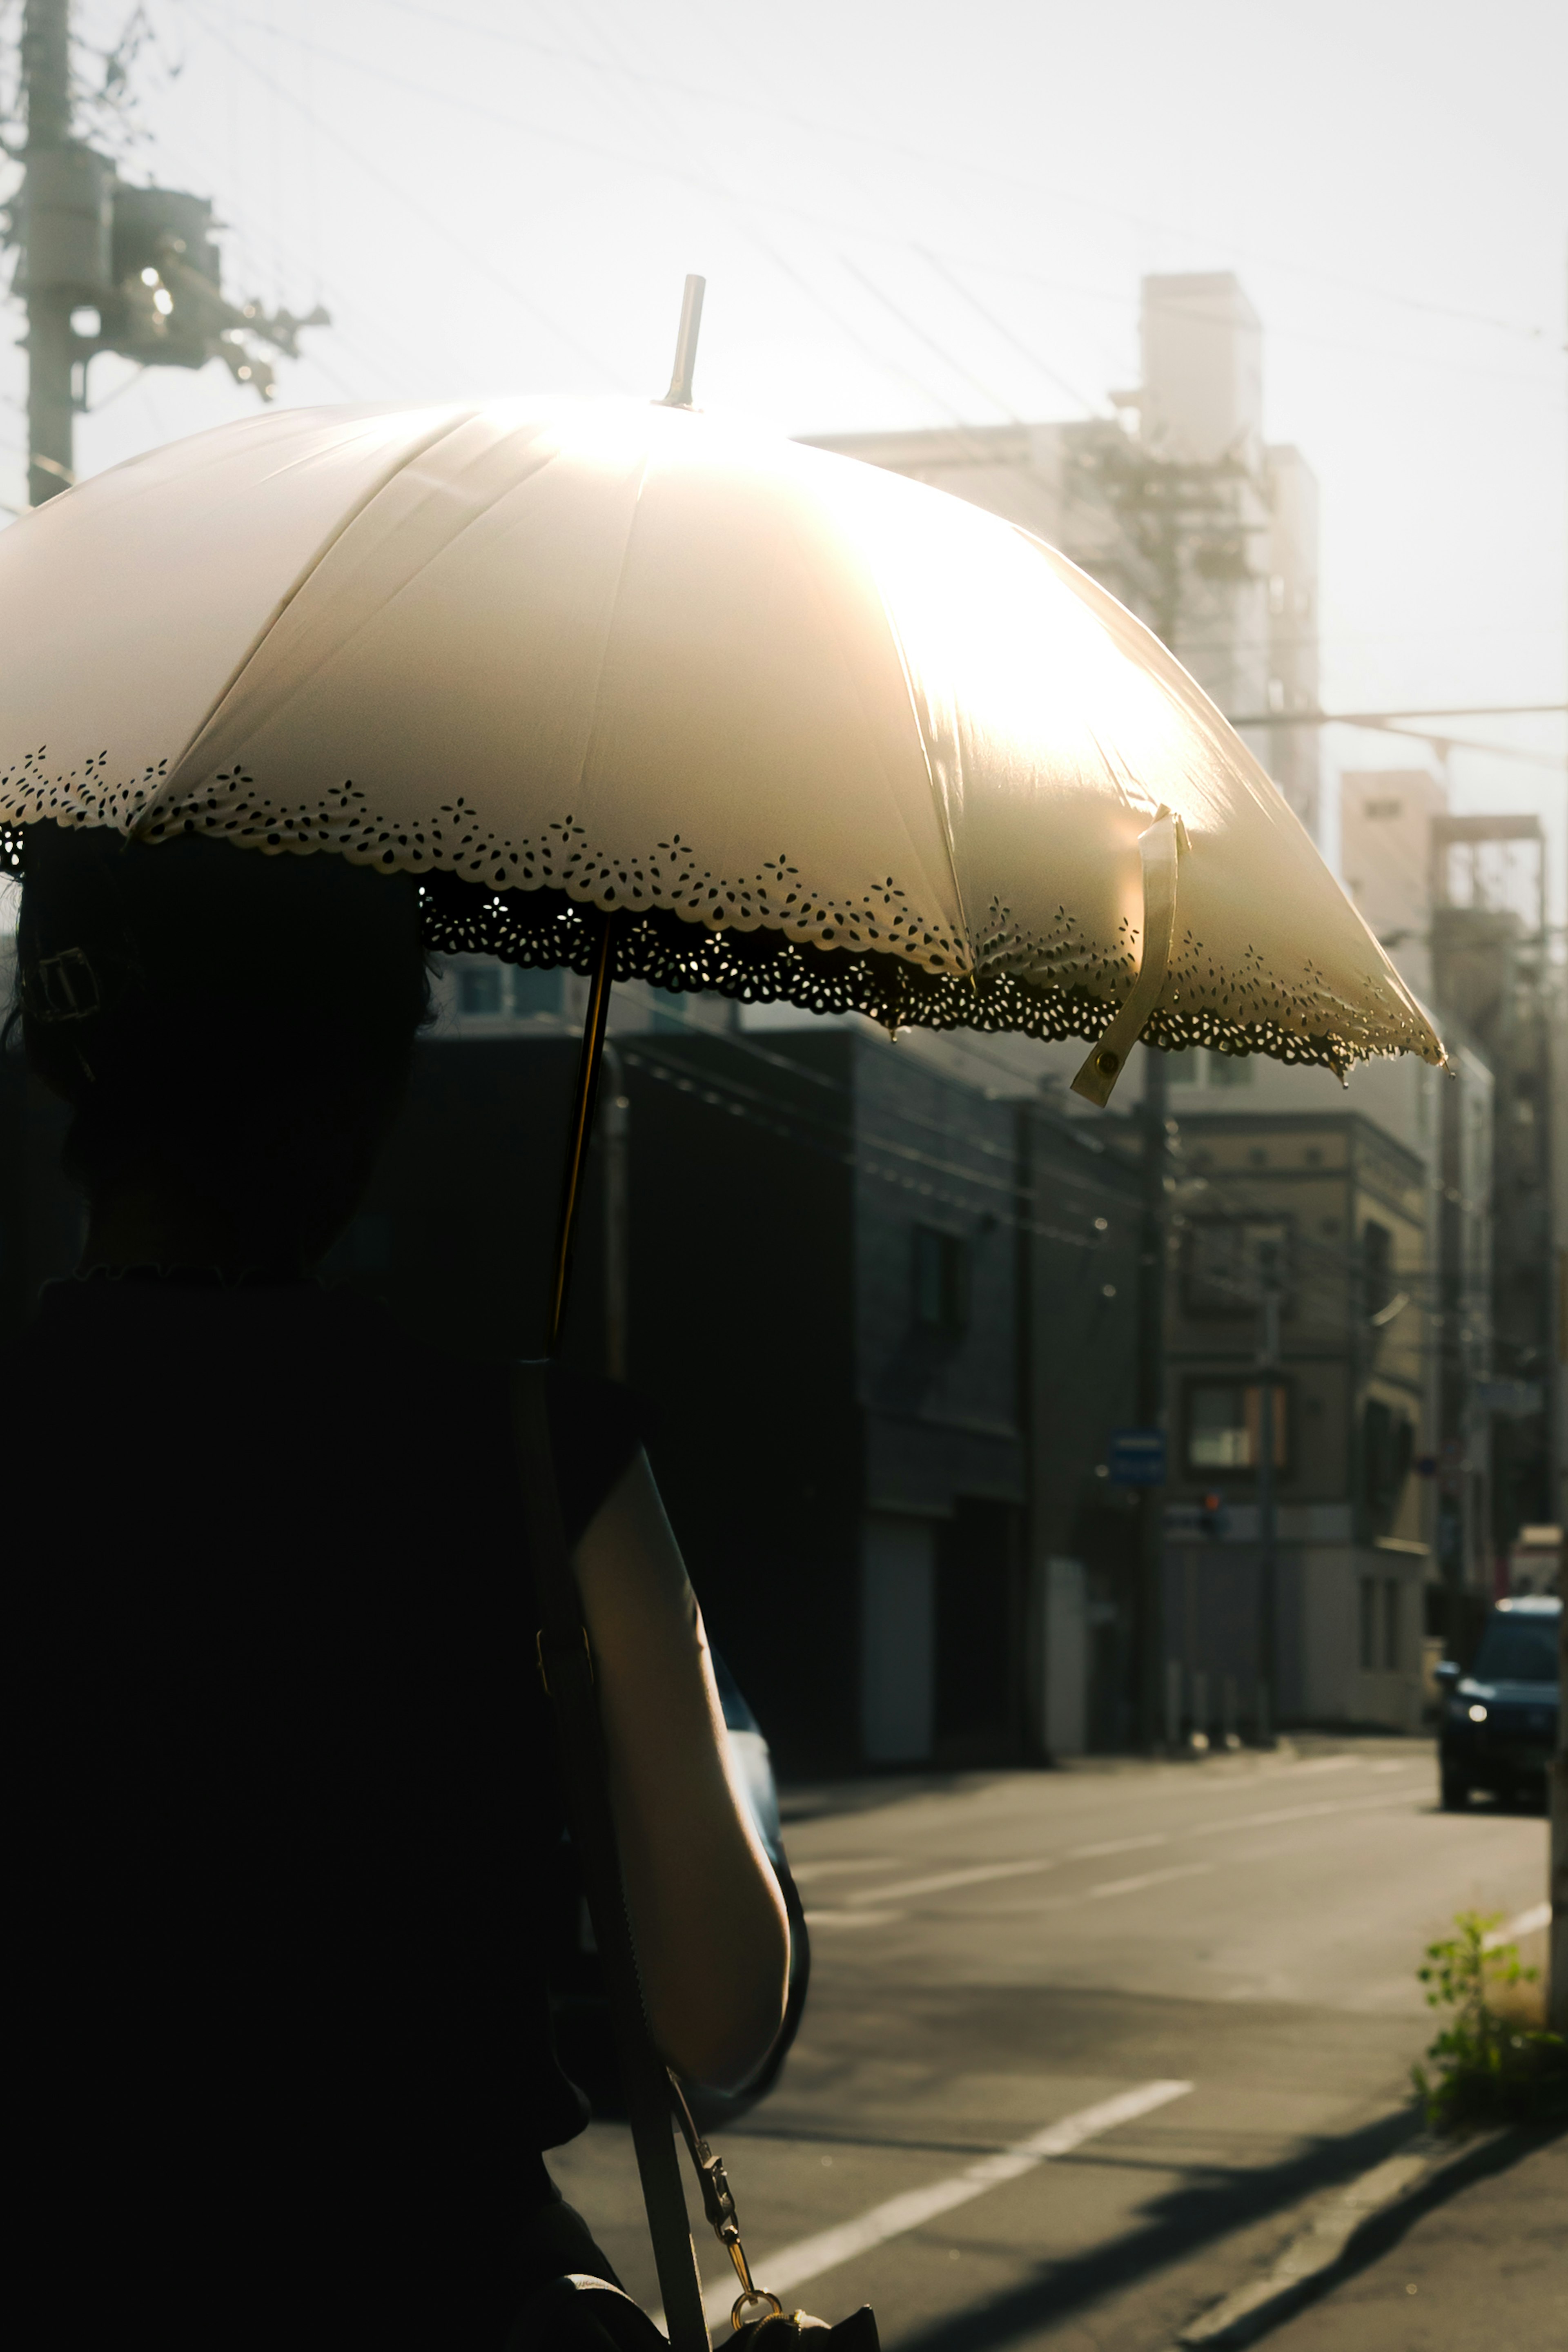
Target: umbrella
x=805 y=729
x=651 y=694
x=811 y=730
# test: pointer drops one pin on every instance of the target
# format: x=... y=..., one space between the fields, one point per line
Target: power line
x=860 y=136
x=710 y=182
x=436 y=226
x=1382 y=718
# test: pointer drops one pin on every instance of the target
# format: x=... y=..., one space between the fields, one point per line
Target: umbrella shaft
x=580 y=1132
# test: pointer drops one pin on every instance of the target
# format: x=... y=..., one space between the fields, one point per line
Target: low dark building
x=884 y=1325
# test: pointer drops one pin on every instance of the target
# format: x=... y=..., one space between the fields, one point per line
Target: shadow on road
x=1177 y=2225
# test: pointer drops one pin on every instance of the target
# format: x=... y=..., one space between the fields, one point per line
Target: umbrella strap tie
x=1158 y=848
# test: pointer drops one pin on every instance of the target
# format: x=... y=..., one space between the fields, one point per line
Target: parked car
x=584 y=2036
x=1498 y=1726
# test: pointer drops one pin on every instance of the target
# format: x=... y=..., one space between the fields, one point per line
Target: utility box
x=167 y=304
x=70 y=222
x=147 y=219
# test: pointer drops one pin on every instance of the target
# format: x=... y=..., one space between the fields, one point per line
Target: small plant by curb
x=1482 y=2068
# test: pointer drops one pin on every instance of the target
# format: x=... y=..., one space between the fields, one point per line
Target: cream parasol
x=801 y=728
x=653 y=694
x=809 y=729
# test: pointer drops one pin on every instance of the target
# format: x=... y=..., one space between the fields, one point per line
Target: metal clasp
x=539 y=1656
x=63 y=987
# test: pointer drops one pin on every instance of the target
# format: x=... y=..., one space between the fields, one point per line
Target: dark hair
x=231 y=1029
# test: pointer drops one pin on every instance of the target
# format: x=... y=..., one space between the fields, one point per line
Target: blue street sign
x=1137 y=1457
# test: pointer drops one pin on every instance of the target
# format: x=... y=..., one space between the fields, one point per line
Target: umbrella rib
x=938 y=795
x=345 y=523
x=592 y=726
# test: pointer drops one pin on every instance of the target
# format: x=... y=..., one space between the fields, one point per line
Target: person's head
x=232 y=1032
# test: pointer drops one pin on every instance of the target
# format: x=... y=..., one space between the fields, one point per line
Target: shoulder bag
x=576 y=2313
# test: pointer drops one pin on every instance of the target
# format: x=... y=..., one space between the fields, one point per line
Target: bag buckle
x=63 y=987
x=566 y=1654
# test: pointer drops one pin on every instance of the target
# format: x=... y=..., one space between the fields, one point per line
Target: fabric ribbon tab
x=1158 y=848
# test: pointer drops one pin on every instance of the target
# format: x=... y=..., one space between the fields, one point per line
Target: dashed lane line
x=1528 y=1922
x=1113 y=1845
x=1302 y=1813
x=795 y=2265
x=851 y=1918
x=975 y=1874
x=866 y=1909
x=1152 y=1878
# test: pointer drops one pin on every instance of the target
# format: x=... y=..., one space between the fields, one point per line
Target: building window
x=1226 y=1261
x=1390 y=1625
x=1382 y=812
x=940 y=1270
x=1388 y=1449
x=534 y=992
x=479 y=989
x=1202 y=1066
x=1376 y=1266
x=1223 y=1422
x=1368 y=1652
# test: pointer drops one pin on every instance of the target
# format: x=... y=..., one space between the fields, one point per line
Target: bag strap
x=566 y=1665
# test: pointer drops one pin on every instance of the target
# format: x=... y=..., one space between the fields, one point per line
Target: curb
x=1351 y=2226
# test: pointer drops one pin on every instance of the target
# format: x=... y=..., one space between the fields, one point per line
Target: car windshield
x=1517 y=1650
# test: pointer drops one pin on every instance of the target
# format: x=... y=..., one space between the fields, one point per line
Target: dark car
x=1499 y=1723
x=581 y=2012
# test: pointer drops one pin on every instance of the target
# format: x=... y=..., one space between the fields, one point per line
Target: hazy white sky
x=919 y=213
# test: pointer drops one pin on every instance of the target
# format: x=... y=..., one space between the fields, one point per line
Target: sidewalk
x=1487 y=2271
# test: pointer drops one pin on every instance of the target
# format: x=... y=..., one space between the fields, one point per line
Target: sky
x=919 y=214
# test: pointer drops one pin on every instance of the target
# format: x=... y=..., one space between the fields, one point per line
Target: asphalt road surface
x=1079 y=2042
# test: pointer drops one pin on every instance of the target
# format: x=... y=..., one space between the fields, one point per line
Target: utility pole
x=1151 y=1642
x=46 y=209
x=110 y=267
x=1268 y=1600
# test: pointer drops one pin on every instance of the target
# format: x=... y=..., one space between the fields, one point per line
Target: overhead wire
x=1327 y=1263
x=861 y=136
x=394 y=187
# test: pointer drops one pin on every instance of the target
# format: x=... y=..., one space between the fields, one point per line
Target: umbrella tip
x=679 y=394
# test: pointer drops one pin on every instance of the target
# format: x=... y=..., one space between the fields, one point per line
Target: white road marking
x=867 y=1906
x=1528 y=1922
x=808 y=2258
x=1298 y=1814
x=851 y=1918
x=1152 y=1878
x=976 y=1875
x=803 y=1871
x=1113 y=1845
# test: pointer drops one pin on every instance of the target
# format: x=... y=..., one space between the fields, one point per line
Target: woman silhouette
x=281 y=2065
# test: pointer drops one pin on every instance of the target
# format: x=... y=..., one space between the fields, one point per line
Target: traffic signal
x=141 y=271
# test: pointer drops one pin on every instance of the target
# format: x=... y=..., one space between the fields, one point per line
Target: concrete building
x=1498 y=989
x=1178 y=505
x=880 y=1322
x=1340 y=1211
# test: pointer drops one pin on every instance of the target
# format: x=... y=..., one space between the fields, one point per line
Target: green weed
x=1483 y=2067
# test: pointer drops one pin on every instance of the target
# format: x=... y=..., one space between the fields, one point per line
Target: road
x=1079 y=2042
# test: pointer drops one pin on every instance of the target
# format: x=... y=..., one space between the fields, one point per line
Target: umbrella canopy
x=815 y=731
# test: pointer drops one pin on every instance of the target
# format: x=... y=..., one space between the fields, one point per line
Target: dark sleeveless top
x=282 y=1803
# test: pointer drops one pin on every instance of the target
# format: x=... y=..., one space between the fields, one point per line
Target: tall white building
x=1181 y=508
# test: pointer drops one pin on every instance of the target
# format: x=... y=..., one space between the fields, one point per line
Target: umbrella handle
x=1158 y=848
x=580 y=1134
